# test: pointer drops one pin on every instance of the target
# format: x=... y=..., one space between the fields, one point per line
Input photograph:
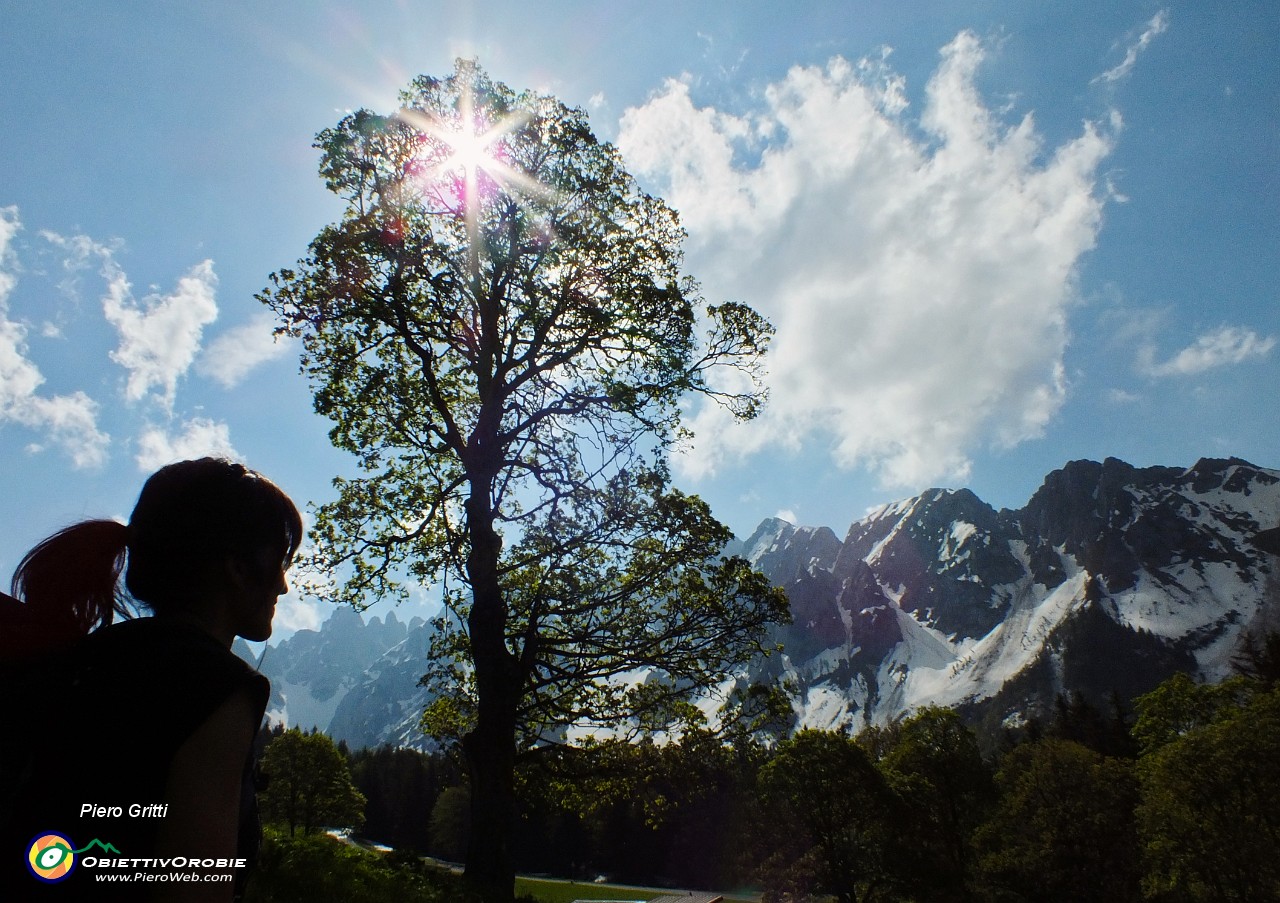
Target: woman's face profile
x=259 y=588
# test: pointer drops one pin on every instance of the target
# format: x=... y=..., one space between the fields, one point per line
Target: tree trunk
x=490 y=868
x=491 y=747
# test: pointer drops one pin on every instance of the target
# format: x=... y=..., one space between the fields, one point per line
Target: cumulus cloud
x=309 y=587
x=236 y=352
x=919 y=273
x=160 y=337
x=197 y=438
x=297 y=614
x=1158 y=25
x=9 y=228
x=1222 y=347
x=69 y=421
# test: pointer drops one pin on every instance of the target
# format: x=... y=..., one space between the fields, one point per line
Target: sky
x=993 y=236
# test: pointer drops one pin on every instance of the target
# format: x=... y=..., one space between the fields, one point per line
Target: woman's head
x=193 y=516
x=197 y=524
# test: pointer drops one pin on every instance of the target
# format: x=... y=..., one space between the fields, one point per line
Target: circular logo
x=51 y=858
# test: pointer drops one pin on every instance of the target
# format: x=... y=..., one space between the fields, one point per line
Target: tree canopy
x=500 y=331
x=837 y=814
x=1211 y=790
x=309 y=784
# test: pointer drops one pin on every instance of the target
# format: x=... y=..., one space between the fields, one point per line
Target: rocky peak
x=785 y=552
x=1225 y=474
x=940 y=598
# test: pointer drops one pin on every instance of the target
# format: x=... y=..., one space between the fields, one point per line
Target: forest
x=1171 y=799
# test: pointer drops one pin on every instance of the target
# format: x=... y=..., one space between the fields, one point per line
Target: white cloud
x=69 y=421
x=1158 y=25
x=10 y=225
x=1222 y=347
x=788 y=515
x=233 y=354
x=200 y=437
x=309 y=588
x=919 y=287
x=297 y=614
x=160 y=338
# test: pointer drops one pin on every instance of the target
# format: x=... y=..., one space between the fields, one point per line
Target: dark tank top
x=91 y=734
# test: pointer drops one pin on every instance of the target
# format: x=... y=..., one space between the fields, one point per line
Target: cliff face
x=1107 y=581
x=355 y=679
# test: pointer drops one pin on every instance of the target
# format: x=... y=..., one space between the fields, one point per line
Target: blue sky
x=994 y=236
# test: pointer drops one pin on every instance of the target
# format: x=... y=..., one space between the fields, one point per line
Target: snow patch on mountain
x=944 y=601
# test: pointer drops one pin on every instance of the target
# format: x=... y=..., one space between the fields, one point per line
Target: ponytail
x=190 y=517
x=71 y=580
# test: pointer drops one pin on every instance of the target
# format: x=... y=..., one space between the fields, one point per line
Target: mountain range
x=356 y=680
x=1108 y=581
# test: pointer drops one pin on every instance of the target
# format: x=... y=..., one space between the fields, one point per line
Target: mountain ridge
x=944 y=600
x=1108 y=580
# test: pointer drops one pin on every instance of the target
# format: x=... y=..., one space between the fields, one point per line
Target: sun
x=471 y=152
x=455 y=147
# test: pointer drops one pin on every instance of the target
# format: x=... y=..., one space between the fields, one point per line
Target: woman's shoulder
x=171 y=662
x=157 y=638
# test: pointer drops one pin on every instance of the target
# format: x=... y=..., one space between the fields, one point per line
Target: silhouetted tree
x=499 y=329
x=1076 y=719
x=1259 y=657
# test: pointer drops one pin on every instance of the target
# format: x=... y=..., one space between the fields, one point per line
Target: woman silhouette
x=137 y=734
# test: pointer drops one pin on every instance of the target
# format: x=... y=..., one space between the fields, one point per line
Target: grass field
x=564 y=892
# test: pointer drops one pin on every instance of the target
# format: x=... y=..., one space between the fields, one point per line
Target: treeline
x=1175 y=800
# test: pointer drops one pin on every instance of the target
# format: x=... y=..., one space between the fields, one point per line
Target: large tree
x=933 y=762
x=500 y=331
x=833 y=822
x=1063 y=827
x=309 y=784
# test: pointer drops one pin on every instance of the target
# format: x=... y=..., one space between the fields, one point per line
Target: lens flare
x=463 y=146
